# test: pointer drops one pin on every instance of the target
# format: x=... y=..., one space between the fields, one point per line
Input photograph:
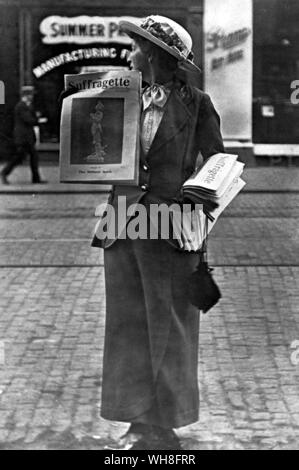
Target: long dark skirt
x=151 y=338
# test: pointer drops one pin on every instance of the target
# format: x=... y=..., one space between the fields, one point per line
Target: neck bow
x=156 y=95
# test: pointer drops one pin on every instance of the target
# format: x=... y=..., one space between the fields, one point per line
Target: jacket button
x=144 y=187
x=145 y=167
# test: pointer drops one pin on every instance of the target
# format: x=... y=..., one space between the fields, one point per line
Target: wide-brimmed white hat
x=168 y=35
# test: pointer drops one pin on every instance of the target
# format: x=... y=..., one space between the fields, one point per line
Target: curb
x=51 y=189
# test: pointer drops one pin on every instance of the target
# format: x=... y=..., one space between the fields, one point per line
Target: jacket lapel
x=174 y=119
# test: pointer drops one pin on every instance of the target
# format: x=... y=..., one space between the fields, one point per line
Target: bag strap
x=203 y=252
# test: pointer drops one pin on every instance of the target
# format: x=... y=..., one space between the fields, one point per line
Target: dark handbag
x=203 y=290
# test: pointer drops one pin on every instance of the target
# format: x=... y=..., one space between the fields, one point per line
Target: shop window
x=51 y=60
x=275 y=65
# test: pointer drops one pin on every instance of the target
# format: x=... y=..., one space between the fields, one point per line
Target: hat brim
x=131 y=28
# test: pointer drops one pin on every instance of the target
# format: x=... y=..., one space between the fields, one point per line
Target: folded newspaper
x=214 y=186
x=99 y=133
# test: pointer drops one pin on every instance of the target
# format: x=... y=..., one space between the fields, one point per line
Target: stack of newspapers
x=212 y=187
x=215 y=184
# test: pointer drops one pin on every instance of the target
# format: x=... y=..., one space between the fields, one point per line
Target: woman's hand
x=65 y=93
x=189 y=228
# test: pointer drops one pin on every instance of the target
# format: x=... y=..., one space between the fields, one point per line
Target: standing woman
x=151 y=339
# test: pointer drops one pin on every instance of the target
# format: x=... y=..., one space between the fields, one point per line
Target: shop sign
x=83 y=29
x=77 y=55
x=228 y=64
x=219 y=39
x=231 y=42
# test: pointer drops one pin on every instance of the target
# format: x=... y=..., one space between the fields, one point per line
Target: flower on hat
x=165 y=33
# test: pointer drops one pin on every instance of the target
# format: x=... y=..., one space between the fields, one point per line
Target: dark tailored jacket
x=190 y=125
x=24 y=121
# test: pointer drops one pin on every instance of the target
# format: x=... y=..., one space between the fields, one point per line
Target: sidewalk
x=259 y=179
x=20 y=182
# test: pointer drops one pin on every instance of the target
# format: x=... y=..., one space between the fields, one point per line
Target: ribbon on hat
x=188 y=66
x=156 y=95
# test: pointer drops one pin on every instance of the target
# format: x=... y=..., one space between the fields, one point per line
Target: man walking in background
x=25 y=119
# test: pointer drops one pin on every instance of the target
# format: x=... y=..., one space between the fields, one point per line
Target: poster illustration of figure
x=97 y=135
x=97 y=127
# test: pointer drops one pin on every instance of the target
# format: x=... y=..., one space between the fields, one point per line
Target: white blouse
x=154 y=100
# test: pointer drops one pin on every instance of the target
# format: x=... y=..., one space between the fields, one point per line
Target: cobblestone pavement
x=257 y=229
x=52 y=307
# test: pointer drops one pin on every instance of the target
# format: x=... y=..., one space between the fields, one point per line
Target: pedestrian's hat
x=168 y=35
x=27 y=90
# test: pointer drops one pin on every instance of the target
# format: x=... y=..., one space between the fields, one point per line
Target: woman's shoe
x=168 y=438
x=135 y=434
x=158 y=439
x=145 y=437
